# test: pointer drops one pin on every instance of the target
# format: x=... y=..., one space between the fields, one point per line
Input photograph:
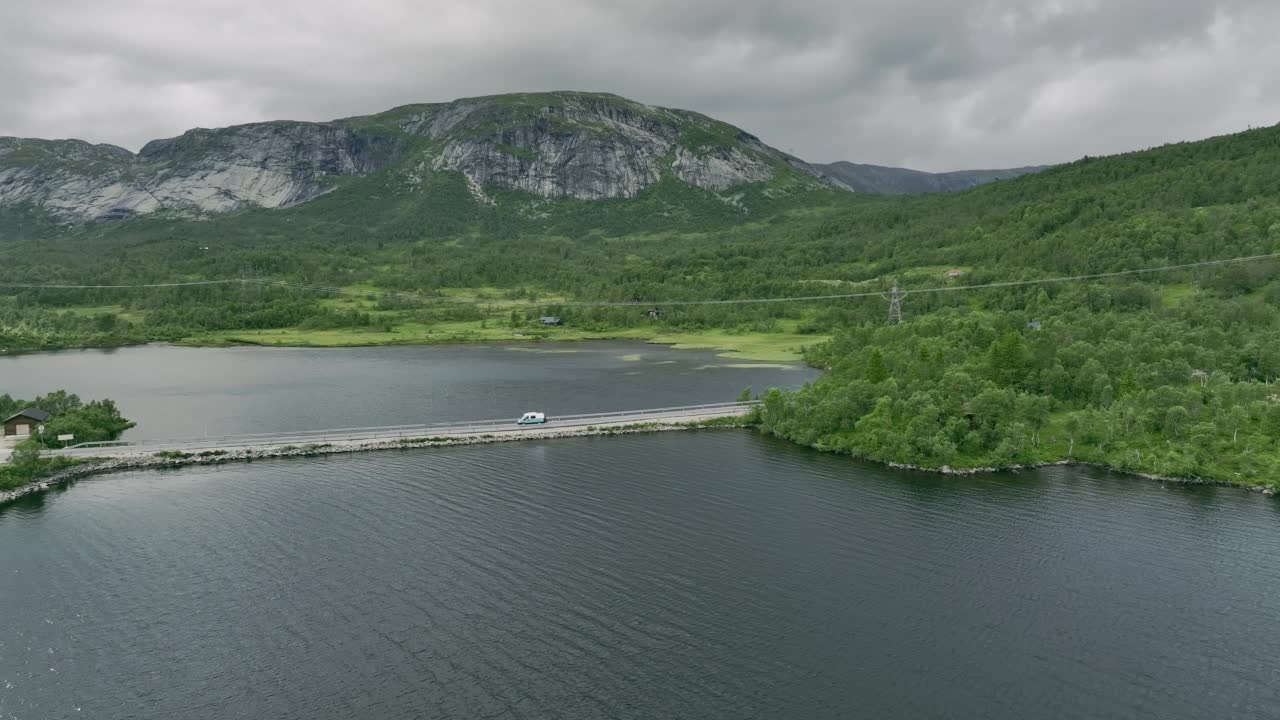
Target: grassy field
x=96 y=310
x=1176 y=294
x=747 y=346
x=365 y=298
x=470 y=315
x=765 y=347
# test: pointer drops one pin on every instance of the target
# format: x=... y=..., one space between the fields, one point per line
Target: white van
x=532 y=418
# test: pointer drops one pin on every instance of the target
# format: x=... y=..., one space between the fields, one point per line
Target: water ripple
x=680 y=575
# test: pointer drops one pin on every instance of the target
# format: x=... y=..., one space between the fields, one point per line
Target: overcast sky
x=929 y=84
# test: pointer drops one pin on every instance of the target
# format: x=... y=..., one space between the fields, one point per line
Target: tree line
x=1170 y=373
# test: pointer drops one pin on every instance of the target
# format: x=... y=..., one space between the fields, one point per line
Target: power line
x=895 y=305
x=630 y=303
x=1100 y=276
x=114 y=287
x=802 y=298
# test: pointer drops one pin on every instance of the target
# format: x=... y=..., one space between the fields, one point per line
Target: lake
x=705 y=574
x=177 y=392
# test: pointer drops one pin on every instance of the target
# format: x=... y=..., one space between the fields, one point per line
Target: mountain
x=583 y=146
x=1161 y=356
x=882 y=180
x=203 y=171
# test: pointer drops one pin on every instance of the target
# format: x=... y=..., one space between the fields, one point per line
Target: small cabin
x=24 y=423
x=955 y=273
x=549 y=320
x=1033 y=325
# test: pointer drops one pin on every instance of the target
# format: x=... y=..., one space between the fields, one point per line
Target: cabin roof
x=34 y=413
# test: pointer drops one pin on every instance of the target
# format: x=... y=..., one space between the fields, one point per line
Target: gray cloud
x=922 y=83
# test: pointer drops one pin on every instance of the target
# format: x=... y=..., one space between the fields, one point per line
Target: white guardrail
x=413 y=431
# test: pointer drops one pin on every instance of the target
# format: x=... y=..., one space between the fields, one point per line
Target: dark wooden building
x=25 y=422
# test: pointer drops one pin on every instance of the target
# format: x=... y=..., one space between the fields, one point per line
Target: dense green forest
x=1170 y=373
x=1185 y=391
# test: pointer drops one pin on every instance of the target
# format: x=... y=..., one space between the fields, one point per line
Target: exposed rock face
x=589 y=146
x=269 y=165
x=719 y=169
x=575 y=145
x=550 y=165
x=203 y=171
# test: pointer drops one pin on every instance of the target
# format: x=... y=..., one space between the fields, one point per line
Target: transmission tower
x=895 y=304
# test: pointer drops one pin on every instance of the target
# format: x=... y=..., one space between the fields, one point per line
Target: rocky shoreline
x=946 y=470
x=173 y=460
x=213 y=457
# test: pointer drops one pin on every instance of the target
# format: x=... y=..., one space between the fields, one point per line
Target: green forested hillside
x=1169 y=373
x=1183 y=390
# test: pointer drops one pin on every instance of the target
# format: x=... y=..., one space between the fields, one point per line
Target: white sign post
x=65 y=438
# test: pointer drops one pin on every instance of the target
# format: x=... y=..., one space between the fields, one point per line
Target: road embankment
x=131 y=458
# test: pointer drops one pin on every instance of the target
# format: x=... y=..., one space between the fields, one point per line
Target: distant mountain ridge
x=586 y=146
x=883 y=180
x=555 y=145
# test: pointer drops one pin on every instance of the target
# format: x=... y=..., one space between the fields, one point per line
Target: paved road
x=6 y=447
x=503 y=428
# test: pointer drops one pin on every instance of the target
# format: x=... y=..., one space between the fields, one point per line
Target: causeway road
x=503 y=428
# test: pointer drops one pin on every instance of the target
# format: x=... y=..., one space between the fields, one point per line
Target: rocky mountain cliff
x=548 y=145
x=900 y=181
x=203 y=171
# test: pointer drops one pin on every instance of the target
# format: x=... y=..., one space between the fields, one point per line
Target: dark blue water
x=175 y=392
x=709 y=574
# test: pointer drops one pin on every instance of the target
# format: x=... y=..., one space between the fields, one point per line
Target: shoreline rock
x=945 y=470
x=175 y=460
x=160 y=461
